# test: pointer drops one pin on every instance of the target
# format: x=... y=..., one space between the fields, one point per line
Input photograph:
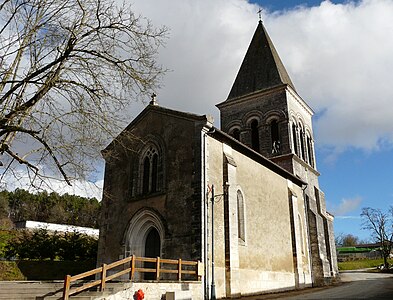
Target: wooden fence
x=194 y=271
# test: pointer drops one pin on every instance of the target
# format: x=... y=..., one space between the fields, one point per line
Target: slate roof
x=262 y=67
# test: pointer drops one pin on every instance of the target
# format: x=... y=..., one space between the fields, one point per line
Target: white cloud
x=346 y=205
x=206 y=44
x=341 y=62
x=20 y=179
x=348 y=217
x=338 y=55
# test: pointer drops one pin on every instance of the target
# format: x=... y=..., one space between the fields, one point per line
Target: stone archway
x=144 y=236
x=138 y=230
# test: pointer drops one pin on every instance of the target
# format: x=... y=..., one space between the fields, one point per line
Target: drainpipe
x=205 y=220
x=213 y=287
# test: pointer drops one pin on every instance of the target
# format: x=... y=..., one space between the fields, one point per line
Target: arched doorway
x=144 y=236
x=152 y=249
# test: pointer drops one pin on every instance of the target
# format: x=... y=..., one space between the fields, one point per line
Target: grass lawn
x=361 y=264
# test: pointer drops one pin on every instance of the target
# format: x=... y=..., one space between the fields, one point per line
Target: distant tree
x=4 y=208
x=5 y=221
x=346 y=240
x=21 y=205
x=68 y=71
x=350 y=240
x=380 y=225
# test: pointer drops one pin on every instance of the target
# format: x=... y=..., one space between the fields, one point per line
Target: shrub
x=41 y=245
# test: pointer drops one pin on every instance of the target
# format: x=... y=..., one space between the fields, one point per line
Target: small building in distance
x=57 y=227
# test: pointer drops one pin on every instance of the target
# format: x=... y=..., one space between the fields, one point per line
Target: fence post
x=66 y=289
x=179 y=270
x=132 y=266
x=199 y=270
x=158 y=269
x=103 y=277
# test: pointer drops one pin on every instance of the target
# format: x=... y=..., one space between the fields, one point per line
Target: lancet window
x=302 y=145
x=150 y=170
x=254 y=135
x=310 y=151
x=240 y=217
x=295 y=139
x=236 y=133
x=275 y=137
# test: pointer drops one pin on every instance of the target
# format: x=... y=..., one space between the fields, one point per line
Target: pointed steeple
x=262 y=68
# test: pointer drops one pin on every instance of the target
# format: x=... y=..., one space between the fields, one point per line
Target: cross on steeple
x=260 y=14
x=153 y=99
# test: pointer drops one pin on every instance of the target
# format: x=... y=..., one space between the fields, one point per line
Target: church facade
x=246 y=196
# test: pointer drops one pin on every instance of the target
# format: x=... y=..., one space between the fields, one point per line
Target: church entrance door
x=152 y=249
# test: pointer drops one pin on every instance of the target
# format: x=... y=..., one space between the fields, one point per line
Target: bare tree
x=381 y=227
x=68 y=71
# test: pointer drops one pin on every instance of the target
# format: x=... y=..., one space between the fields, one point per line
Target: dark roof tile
x=262 y=67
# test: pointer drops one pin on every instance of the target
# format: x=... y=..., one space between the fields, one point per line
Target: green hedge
x=43 y=245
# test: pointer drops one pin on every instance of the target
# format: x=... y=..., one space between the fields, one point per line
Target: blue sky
x=289 y=4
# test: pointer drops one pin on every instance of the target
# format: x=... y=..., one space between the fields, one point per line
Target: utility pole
x=213 y=286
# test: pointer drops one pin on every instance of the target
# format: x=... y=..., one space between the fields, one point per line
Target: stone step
x=40 y=290
x=30 y=290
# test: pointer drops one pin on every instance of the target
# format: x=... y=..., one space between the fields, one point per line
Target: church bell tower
x=264 y=111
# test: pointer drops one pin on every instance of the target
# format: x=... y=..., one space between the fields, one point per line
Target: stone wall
x=264 y=260
x=177 y=205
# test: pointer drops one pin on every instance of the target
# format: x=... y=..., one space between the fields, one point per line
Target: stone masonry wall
x=178 y=202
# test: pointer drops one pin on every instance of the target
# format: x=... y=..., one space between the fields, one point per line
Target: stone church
x=270 y=228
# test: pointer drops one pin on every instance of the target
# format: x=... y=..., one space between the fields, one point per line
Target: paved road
x=355 y=285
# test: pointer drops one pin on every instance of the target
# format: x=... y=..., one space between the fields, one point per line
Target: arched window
x=146 y=175
x=254 y=135
x=302 y=148
x=240 y=217
x=236 y=133
x=275 y=137
x=310 y=151
x=150 y=170
x=294 y=137
x=154 y=173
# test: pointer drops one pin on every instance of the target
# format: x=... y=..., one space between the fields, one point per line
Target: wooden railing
x=193 y=271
